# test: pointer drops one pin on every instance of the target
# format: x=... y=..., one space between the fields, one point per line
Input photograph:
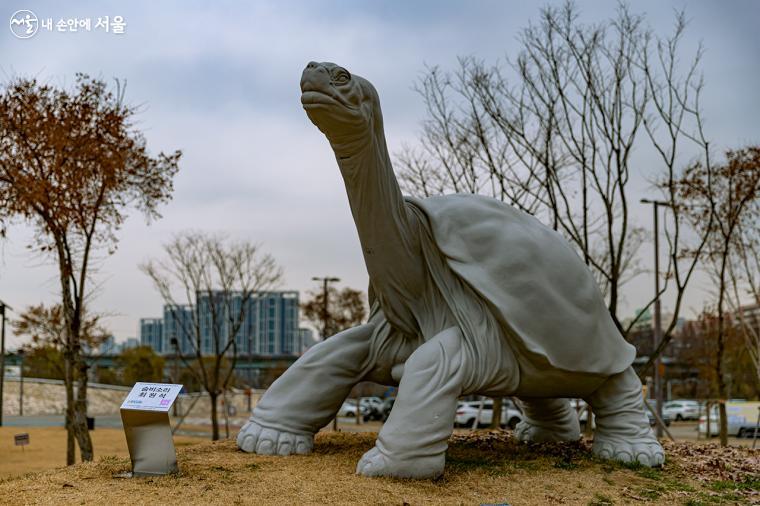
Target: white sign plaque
x=145 y=417
x=151 y=396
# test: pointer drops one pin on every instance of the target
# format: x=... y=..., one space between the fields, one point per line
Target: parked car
x=581 y=408
x=681 y=409
x=742 y=419
x=652 y=419
x=583 y=415
x=349 y=409
x=387 y=407
x=467 y=414
x=374 y=407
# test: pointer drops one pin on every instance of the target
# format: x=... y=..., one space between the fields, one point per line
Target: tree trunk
x=214 y=417
x=723 y=421
x=68 y=380
x=498 y=402
x=226 y=412
x=76 y=409
x=71 y=448
x=70 y=441
x=80 y=409
x=722 y=417
x=589 y=429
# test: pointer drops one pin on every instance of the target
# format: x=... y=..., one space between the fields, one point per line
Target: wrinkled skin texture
x=431 y=330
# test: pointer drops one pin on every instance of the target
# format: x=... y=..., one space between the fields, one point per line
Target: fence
x=48 y=397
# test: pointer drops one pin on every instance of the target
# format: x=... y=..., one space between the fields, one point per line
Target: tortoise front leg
x=413 y=441
x=309 y=394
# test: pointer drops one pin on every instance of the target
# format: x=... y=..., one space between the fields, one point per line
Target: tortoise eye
x=341 y=76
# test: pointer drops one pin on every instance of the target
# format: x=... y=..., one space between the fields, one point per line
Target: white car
x=349 y=409
x=375 y=407
x=467 y=414
x=741 y=418
x=583 y=415
x=679 y=410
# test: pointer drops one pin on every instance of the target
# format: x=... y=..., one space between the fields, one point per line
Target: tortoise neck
x=377 y=205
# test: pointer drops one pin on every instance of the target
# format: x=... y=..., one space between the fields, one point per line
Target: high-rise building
x=129 y=343
x=269 y=324
x=179 y=324
x=109 y=346
x=306 y=338
x=151 y=333
x=273 y=324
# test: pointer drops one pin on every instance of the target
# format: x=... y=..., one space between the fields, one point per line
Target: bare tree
x=744 y=275
x=699 y=348
x=723 y=200
x=45 y=326
x=218 y=277
x=675 y=126
x=552 y=130
x=71 y=163
x=346 y=309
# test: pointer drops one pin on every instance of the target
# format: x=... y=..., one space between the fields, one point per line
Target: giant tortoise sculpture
x=468 y=296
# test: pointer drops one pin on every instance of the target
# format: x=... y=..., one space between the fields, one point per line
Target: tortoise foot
x=376 y=463
x=253 y=438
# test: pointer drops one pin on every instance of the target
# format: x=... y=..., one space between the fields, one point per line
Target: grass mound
x=482 y=467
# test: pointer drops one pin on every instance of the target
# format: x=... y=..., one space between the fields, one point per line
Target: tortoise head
x=345 y=107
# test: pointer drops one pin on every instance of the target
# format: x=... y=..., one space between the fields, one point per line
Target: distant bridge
x=244 y=362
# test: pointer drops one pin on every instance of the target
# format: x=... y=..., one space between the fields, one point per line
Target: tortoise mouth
x=313 y=99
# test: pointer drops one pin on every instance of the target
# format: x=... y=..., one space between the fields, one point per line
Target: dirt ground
x=47 y=448
x=482 y=467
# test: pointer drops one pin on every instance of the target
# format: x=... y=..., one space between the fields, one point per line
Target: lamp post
x=325 y=309
x=325 y=317
x=250 y=360
x=20 y=354
x=175 y=345
x=3 y=306
x=249 y=390
x=657 y=334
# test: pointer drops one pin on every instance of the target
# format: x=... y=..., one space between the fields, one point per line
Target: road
x=106 y=422
x=112 y=421
x=191 y=427
x=687 y=431
x=681 y=431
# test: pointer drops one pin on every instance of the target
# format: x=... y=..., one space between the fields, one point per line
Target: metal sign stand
x=145 y=417
x=21 y=440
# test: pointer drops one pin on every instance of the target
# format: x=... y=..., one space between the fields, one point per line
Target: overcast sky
x=219 y=81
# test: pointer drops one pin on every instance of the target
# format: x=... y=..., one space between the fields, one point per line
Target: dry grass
x=484 y=467
x=47 y=448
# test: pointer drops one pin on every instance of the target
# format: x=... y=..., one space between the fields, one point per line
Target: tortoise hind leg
x=413 y=441
x=547 y=420
x=622 y=426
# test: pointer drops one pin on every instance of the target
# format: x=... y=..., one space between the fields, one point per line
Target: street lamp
x=3 y=306
x=20 y=354
x=325 y=311
x=175 y=345
x=325 y=317
x=657 y=337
